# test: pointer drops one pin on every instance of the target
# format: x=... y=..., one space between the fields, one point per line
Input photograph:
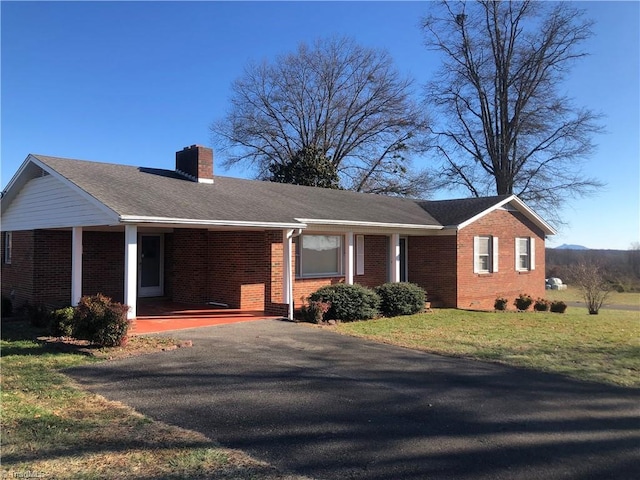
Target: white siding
x=46 y=202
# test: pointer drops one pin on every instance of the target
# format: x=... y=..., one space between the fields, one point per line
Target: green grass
x=53 y=428
x=572 y=294
x=601 y=348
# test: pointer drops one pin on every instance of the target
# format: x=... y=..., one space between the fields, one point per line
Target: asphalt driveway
x=316 y=403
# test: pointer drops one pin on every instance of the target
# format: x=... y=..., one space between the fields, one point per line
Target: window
x=319 y=255
x=7 y=247
x=525 y=254
x=485 y=254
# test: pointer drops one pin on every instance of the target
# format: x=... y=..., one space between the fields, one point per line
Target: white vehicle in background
x=554 y=284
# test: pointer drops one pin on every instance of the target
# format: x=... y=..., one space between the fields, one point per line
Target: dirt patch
x=138 y=345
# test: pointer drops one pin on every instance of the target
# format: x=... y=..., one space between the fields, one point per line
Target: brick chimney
x=195 y=163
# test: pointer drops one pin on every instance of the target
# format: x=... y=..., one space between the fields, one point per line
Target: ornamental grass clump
x=315 y=311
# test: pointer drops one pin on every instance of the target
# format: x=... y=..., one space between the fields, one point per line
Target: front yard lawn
x=53 y=429
x=601 y=348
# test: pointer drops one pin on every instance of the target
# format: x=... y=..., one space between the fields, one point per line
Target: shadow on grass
x=25 y=339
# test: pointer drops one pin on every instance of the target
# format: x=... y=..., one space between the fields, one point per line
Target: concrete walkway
x=328 y=406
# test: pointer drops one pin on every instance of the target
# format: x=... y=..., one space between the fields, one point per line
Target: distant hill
x=566 y=246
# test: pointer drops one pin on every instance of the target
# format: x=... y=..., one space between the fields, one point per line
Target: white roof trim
x=83 y=193
x=353 y=223
x=206 y=223
x=521 y=206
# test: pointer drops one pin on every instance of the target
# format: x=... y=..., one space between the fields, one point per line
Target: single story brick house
x=72 y=228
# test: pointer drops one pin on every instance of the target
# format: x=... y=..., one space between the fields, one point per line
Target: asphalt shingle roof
x=149 y=192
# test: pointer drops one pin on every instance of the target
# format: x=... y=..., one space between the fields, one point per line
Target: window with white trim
x=525 y=254
x=485 y=254
x=8 y=240
x=319 y=255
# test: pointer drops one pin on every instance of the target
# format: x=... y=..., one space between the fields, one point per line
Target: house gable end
x=512 y=203
x=38 y=197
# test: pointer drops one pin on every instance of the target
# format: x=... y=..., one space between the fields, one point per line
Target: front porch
x=157 y=315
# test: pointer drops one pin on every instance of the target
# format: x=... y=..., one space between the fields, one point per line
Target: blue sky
x=132 y=82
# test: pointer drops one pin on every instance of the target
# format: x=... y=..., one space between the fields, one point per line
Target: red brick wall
x=17 y=278
x=237 y=269
x=52 y=267
x=190 y=276
x=479 y=291
x=376 y=261
x=103 y=264
x=432 y=265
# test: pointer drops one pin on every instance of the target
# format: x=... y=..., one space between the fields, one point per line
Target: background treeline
x=621 y=267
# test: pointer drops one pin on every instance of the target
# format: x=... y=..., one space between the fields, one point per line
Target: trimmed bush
x=101 y=321
x=558 y=306
x=348 y=302
x=541 y=305
x=523 y=302
x=38 y=314
x=7 y=306
x=400 y=299
x=61 y=322
x=500 y=303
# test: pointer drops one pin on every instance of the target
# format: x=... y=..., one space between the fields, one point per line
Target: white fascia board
x=83 y=193
x=353 y=223
x=137 y=219
x=522 y=207
x=14 y=179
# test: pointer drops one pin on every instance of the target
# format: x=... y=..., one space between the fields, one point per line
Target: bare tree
x=504 y=126
x=345 y=101
x=590 y=279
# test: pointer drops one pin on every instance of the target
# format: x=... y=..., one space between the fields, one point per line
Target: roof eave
x=140 y=219
x=356 y=223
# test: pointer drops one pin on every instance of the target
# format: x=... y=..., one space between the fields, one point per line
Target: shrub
x=61 y=323
x=523 y=302
x=558 y=306
x=7 y=306
x=400 y=299
x=541 y=305
x=38 y=314
x=348 y=302
x=101 y=321
x=500 y=303
x=314 y=312
x=589 y=277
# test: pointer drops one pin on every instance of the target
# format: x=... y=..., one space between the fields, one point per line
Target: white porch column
x=394 y=258
x=131 y=269
x=287 y=281
x=76 y=265
x=349 y=258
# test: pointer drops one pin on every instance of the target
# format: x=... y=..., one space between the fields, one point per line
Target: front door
x=151 y=265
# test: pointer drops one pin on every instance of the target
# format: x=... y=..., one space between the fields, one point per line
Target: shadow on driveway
x=320 y=404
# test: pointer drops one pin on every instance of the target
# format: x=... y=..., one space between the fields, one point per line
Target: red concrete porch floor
x=159 y=315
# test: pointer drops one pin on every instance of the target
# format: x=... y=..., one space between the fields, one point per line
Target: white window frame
x=493 y=254
x=530 y=254
x=8 y=247
x=300 y=257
